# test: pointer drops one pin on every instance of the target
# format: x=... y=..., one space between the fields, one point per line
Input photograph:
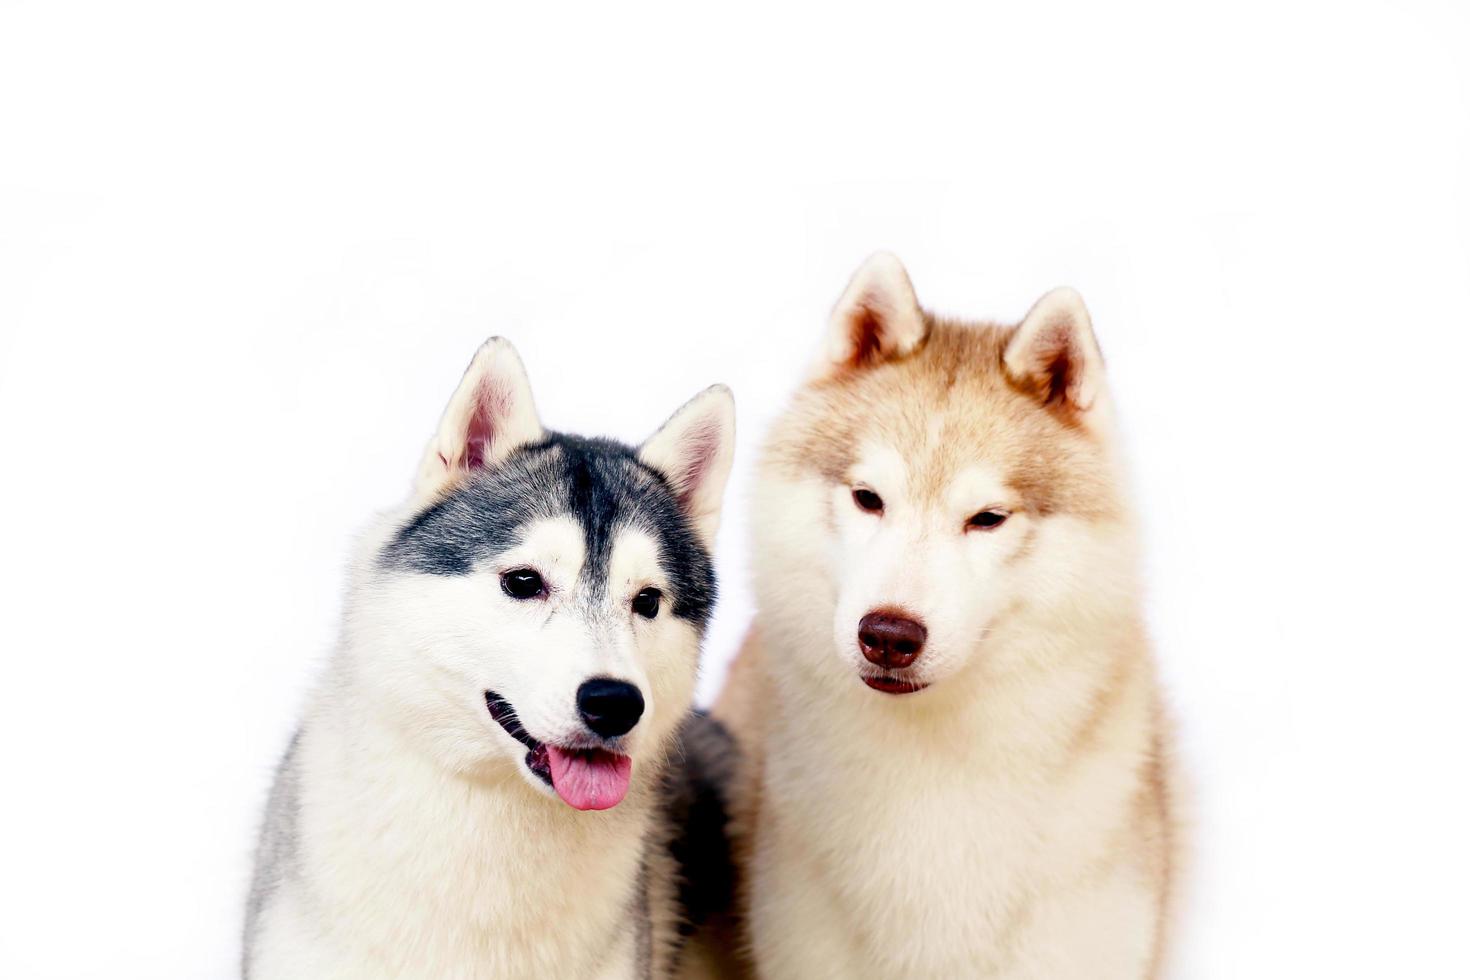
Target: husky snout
x=609 y=707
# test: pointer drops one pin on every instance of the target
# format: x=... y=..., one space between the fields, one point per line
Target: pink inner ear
x=698 y=451
x=492 y=403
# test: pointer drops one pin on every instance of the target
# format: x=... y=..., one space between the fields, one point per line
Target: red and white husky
x=953 y=746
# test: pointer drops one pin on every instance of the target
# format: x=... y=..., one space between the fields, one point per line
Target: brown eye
x=867 y=500
x=522 y=583
x=645 y=603
x=987 y=520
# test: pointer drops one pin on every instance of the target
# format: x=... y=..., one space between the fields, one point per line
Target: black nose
x=891 y=640
x=610 y=708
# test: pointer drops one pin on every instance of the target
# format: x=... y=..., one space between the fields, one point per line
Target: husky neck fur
x=519 y=650
x=947 y=703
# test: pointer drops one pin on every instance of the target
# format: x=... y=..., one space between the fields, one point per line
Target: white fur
x=921 y=560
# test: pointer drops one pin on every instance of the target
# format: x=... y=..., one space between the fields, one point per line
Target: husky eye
x=986 y=520
x=867 y=500
x=522 y=583
x=646 y=602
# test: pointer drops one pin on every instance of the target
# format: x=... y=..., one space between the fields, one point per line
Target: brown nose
x=891 y=640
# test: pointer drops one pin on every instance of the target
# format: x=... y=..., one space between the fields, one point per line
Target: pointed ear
x=694 y=450
x=877 y=319
x=1054 y=356
x=490 y=414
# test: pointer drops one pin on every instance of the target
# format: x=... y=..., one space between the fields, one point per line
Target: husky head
x=540 y=603
x=933 y=484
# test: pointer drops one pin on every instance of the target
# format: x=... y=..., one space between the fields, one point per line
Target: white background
x=246 y=250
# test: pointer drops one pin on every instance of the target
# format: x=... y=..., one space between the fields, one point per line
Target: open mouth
x=585 y=778
x=892 y=685
x=504 y=713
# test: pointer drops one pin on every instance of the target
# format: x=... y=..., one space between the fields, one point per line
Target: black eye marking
x=646 y=603
x=867 y=500
x=523 y=583
x=986 y=520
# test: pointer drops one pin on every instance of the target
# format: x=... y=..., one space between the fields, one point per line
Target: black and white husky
x=519 y=647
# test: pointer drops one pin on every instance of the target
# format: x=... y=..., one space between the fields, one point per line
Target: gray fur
x=643 y=924
x=602 y=484
x=698 y=800
x=275 y=854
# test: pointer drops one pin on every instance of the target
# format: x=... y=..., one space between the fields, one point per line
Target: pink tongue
x=589 y=779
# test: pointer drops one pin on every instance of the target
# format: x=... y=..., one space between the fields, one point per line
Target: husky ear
x=694 y=450
x=877 y=318
x=490 y=414
x=1054 y=356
